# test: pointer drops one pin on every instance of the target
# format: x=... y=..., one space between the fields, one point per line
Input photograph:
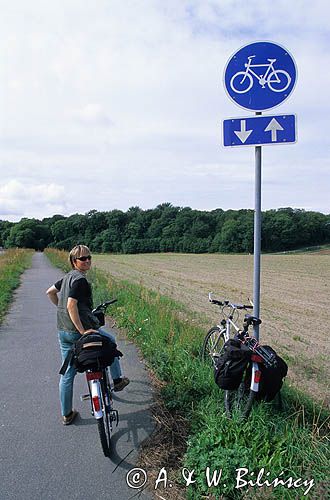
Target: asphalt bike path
x=40 y=458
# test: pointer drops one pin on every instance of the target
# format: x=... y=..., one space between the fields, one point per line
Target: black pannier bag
x=91 y=351
x=231 y=364
x=272 y=377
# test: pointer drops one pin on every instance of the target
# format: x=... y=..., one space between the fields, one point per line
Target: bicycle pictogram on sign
x=277 y=80
x=260 y=76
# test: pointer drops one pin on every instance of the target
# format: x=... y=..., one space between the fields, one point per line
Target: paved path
x=40 y=458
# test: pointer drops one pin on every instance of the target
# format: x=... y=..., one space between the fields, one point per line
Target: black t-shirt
x=80 y=290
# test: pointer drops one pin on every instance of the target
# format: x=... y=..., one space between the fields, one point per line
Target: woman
x=75 y=318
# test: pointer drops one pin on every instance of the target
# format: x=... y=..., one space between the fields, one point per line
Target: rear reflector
x=96 y=403
x=93 y=375
x=256 y=358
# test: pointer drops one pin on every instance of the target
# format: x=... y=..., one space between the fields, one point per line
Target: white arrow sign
x=243 y=134
x=273 y=126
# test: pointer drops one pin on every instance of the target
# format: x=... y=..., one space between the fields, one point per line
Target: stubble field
x=294 y=300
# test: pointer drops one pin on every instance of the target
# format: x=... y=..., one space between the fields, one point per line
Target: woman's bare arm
x=52 y=294
x=72 y=306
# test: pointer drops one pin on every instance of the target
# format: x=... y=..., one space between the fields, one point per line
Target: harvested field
x=294 y=299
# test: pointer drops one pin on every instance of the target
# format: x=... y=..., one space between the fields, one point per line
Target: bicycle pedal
x=84 y=397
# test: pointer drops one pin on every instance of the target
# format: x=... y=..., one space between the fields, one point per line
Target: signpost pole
x=257 y=238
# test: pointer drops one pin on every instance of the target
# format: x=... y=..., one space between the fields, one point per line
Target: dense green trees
x=170 y=229
x=28 y=233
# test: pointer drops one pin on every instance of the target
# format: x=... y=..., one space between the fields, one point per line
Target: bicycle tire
x=248 y=405
x=233 y=399
x=213 y=340
x=240 y=401
x=103 y=437
x=108 y=426
x=103 y=423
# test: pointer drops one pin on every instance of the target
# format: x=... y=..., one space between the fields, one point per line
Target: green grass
x=286 y=444
x=59 y=259
x=291 y=443
x=13 y=263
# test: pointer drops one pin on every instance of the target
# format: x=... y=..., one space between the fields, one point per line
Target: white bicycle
x=277 y=80
x=213 y=347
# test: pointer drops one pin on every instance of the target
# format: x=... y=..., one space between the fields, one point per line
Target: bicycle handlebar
x=241 y=306
x=104 y=305
x=227 y=303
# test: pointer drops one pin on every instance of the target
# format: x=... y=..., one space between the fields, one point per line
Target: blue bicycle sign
x=260 y=76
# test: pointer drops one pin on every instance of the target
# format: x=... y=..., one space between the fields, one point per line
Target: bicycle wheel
x=104 y=423
x=241 y=85
x=240 y=400
x=246 y=410
x=278 y=80
x=213 y=344
x=105 y=443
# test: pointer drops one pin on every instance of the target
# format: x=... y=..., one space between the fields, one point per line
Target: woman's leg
x=66 y=341
x=115 y=368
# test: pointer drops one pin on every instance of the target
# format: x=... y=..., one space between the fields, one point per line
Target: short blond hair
x=78 y=251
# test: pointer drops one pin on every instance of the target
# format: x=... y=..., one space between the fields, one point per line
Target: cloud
x=19 y=199
x=131 y=98
x=93 y=114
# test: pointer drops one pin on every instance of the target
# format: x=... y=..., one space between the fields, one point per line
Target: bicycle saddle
x=252 y=320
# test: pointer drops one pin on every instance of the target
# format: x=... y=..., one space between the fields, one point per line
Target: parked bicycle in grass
x=244 y=369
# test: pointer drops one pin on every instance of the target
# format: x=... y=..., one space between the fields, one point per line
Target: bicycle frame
x=101 y=406
x=256 y=373
x=229 y=323
x=100 y=396
x=97 y=394
x=94 y=387
x=213 y=348
x=226 y=330
x=225 y=327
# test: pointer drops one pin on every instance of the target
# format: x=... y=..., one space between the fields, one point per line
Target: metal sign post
x=257 y=239
x=259 y=76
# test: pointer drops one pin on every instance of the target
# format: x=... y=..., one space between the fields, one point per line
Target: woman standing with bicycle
x=75 y=318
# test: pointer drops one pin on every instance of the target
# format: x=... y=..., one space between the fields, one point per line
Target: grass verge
x=282 y=455
x=13 y=263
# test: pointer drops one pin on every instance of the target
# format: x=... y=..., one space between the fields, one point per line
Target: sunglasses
x=84 y=258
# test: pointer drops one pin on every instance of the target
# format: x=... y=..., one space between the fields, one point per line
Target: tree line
x=167 y=228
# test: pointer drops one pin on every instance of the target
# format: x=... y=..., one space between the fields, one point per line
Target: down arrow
x=273 y=126
x=243 y=134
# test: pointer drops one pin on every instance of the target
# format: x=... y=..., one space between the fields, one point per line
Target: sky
x=118 y=103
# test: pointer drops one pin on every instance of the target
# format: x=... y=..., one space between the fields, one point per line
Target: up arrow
x=273 y=126
x=243 y=134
